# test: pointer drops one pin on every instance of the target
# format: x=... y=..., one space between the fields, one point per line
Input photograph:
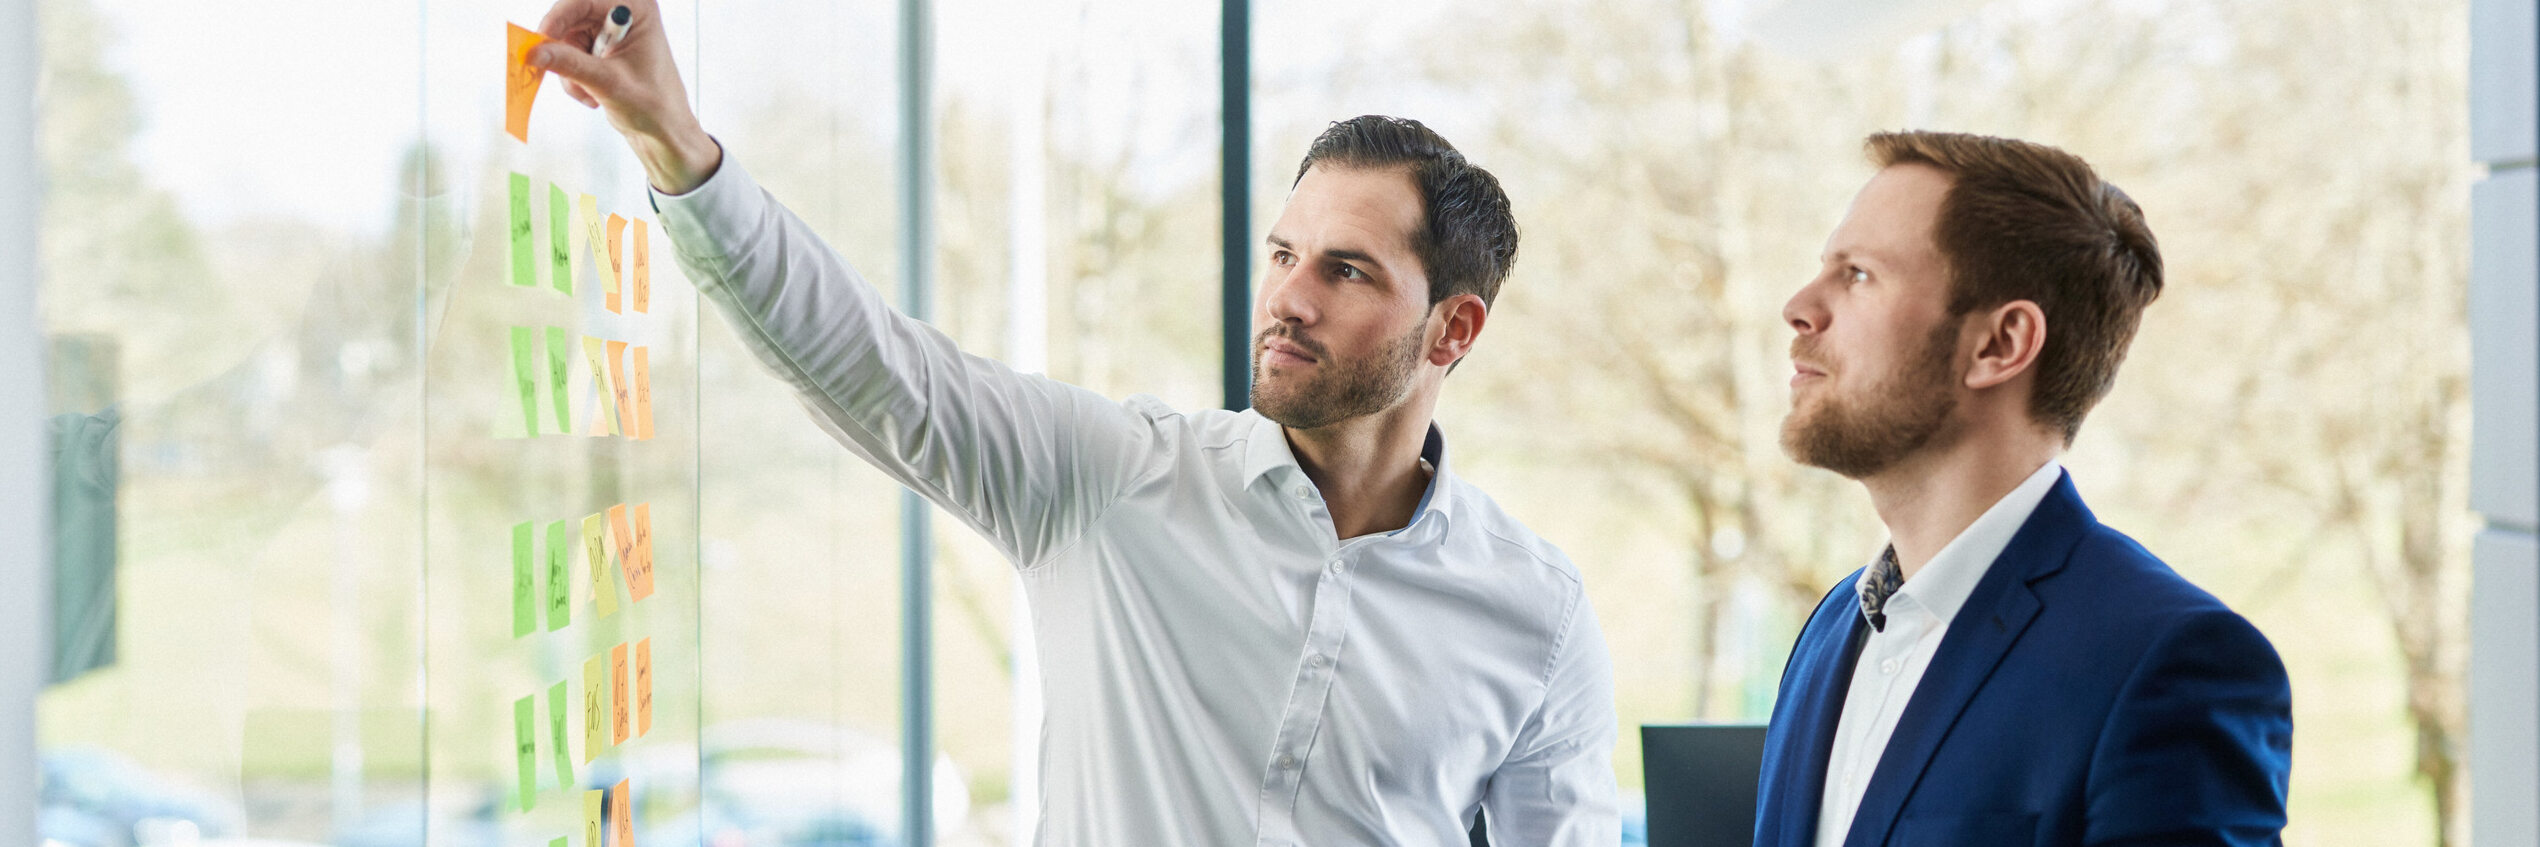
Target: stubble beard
x=1904 y=413
x=1340 y=390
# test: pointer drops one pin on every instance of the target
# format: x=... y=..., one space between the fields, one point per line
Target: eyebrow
x=1343 y=254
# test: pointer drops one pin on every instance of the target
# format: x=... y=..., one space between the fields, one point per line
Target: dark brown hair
x=2025 y=221
x=1469 y=238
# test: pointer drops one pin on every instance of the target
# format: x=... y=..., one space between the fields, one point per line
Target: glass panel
x=802 y=554
x=560 y=495
x=231 y=244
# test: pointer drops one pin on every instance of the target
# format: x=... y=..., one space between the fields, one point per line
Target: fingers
x=574 y=90
x=570 y=62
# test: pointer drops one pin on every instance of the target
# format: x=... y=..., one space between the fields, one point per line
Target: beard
x=1338 y=390
x=1901 y=414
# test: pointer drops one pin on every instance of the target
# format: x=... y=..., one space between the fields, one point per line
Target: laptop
x=1701 y=783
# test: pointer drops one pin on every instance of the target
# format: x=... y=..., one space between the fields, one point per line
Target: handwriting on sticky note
x=524 y=269
x=525 y=378
x=592 y=803
x=595 y=552
x=587 y=208
x=597 y=350
x=559 y=240
x=639 y=575
x=622 y=542
x=643 y=686
x=643 y=396
x=594 y=699
x=625 y=395
x=559 y=392
x=525 y=738
x=520 y=81
x=624 y=813
x=643 y=261
x=619 y=705
x=617 y=266
x=559 y=579
x=556 y=712
x=524 y=584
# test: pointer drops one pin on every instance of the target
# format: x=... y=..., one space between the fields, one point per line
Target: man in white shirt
x=2008 y=670
x=1289 y=625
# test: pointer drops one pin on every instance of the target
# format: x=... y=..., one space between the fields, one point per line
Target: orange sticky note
x=617 y=265
x=643 y=686
x=643 y=261
x=622 y=808
x=643 y=396
x=639 y=577
x=624 y=389
x=520 y=82
x=617 y=682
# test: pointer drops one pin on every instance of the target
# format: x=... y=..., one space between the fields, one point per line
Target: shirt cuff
x=715 y=220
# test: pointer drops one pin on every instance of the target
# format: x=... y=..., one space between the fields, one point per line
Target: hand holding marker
x=611 y=31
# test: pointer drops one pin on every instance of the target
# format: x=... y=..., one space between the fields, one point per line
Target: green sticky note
x=559 y=355
x=526 y=375
x=524 y=257
x=559 y=587
x=555 y=735
x=524 y=721
x=559 y=239
x=558 y=841
x=524 y=586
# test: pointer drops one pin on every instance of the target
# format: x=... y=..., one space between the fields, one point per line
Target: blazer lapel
x=1821 y=674
x=1992 y=620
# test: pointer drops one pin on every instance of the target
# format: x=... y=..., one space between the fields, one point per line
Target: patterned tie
x=1885 y=577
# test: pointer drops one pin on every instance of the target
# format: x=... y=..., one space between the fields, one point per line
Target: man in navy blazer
x=2008 y=671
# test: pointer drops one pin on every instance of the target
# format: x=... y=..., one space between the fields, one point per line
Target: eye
x=1351 y=272
x=1282 y=258
x=1855 y=275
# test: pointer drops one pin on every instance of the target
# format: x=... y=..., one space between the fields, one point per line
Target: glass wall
x=294 y=459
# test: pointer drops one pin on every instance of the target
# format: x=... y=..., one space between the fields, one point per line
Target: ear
x=1459 y=323
x=2012 y=336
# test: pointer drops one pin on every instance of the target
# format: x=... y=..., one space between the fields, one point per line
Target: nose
x=1285 y=297
x=1806 y=310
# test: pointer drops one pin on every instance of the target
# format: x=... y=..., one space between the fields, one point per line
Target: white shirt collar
x=1942 y=585
x=1266 y=449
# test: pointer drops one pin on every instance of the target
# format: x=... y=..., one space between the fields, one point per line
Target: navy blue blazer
x=2085 y=694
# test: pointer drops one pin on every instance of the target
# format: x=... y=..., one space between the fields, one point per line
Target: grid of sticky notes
x=614 y=700
x=611 y=698
x=615 y=392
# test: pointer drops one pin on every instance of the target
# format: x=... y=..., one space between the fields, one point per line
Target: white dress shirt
x=1219 y=668
x=1893 y=660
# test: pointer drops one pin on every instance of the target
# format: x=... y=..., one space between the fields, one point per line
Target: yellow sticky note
x=643 y=262
x=624 y=811
x=643 y=686
x=622 y=542
x=639 y=570
x=617 y=380
x=616 y=264
x=597 y=350
x=643 y=396
x=520 y=81
x=593 y=801
x=618 y=705
x=587 y=208
x=595 y=551
x=594 y=698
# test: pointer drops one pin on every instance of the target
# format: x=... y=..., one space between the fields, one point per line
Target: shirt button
x=1305 y=492
x=1286 y=762
x=1334 y=567
x=1319 y=660
x=1888 y=666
